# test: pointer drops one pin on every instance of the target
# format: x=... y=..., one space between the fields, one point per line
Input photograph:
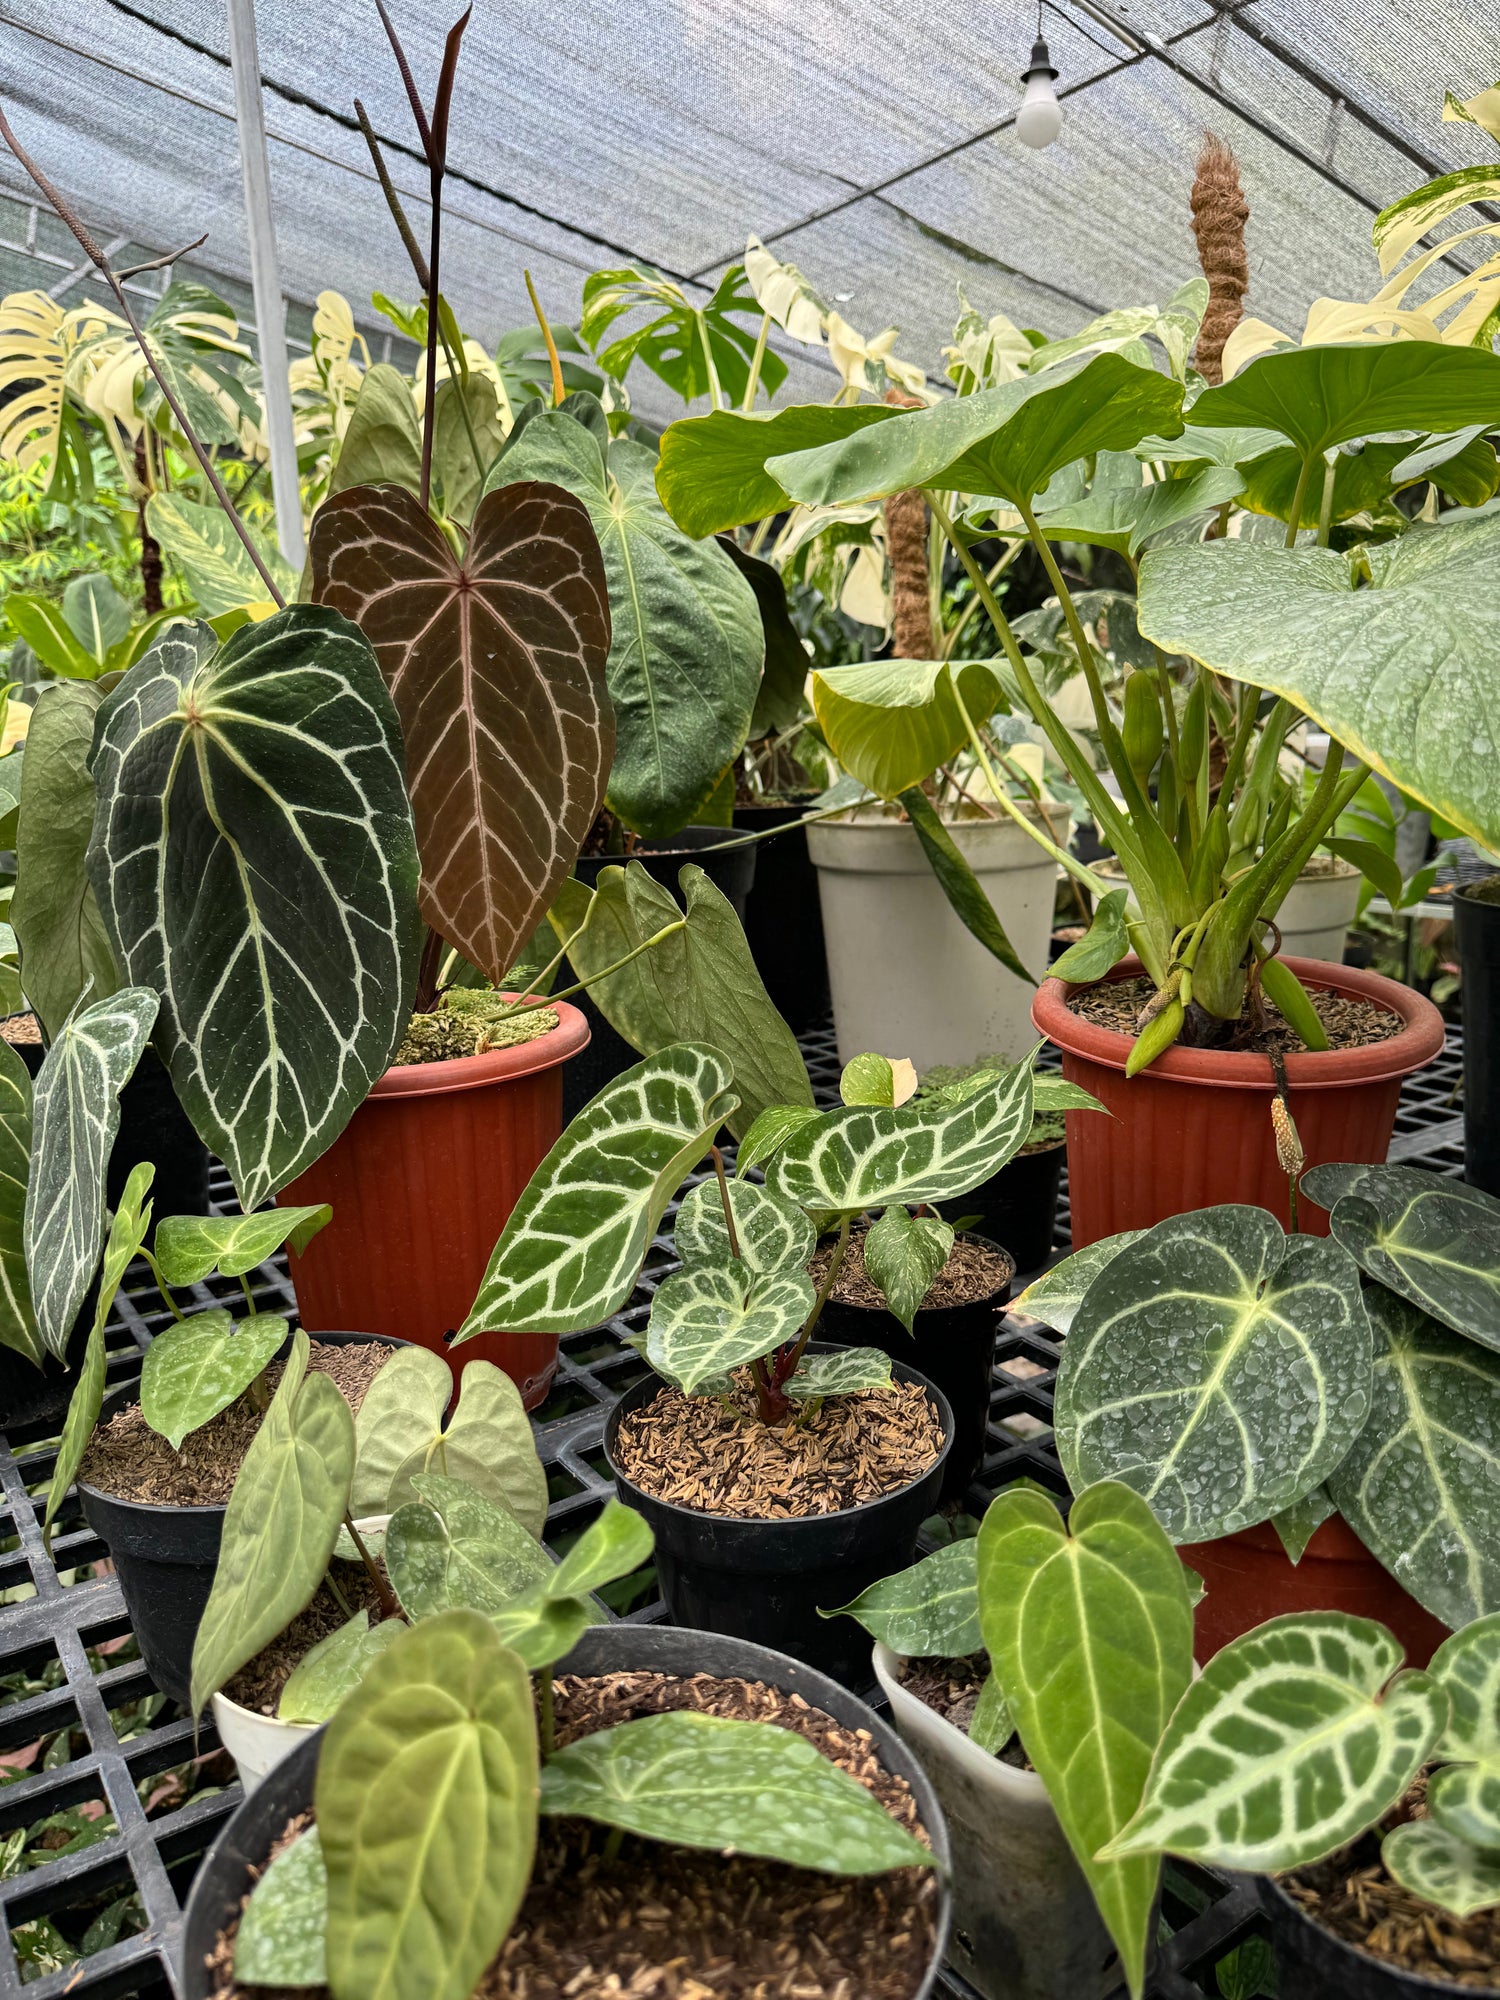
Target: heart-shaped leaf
x=1436 y=1865
x=455 y=1547
x=325 y=1673
x=845 y=1372
x=190 y=1247
x=611 y=1547
x=488 y=1443
x=1218 y=1367
x=872 y=1079
x=402 y=1411
x=468 y=435
x=1055 y=1297
x=571 y=1252
x=1102 y=945
x=280 y=1938
x=540 y=1629
x=707 y=1781
x=903 y=1255
x=892 y=723
x=1464 y=1799
x=716 y=1317
x=197 y=1366
x=1432 y=1240
x=712 y=471
x=18 y=1328
x=495 y=660
x=426 y=1803
x=1468 y=1665
x=772 y=1235
x=930 y=1611
x=75 y=1116
x=384 y=440
x=1292 y=1740
x=255 y=865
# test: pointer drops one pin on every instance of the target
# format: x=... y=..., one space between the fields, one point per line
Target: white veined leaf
x=18 y=1327
x=1441 y=1868
x=1432 y=1240
x=772 y=1234
x=845 y=1372
x=716 y=1317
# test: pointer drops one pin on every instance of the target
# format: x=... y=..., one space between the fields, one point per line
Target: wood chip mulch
x=127 y=1458
x=971 y=1273
x=1349 y=1023
x=951 y=1689
x=23 y=1028
x=259 y=1683
x=695 y=1452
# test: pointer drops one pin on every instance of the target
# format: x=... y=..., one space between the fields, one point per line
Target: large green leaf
x=1403 y=672
x=1293 y=1739
x=197 y=1366
x=189 y=1248
x=930 y=1611
x=772 y=1234
x=256 y=868
x=1420 y=1485
x=280 y=1525
x=1090 y=1633
x=454 y=1547
x=715 y=1318
x=426 y=1803
x=712 y=471
x=327 y=1671
x=1056 y=1296
x=892 y=723
x=383 y=444
x=1219 y=1368
x=75 y=1116
x=707 y=1781
x=1432 y=1240
x=1441 y=1867
x=781 y=703
x=280 y=1938
x=487 y=1443
x=571 y=1252
x=53 y=911
x=685 y=660
x=213 y=559
x=18 y=1328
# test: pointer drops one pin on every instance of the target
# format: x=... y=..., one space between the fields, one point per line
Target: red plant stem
x=426 y=995
x=389 y=1608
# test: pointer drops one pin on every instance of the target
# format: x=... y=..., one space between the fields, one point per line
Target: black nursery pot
x=1313 y=1964
x=1017 y=1208
x=237 y=1858
x=607 y=1054
x=784 y=916
x=954 y=1346
x=766 y=1580
x=1476 y=925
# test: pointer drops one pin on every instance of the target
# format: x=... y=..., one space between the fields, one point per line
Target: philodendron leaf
x=707 y=1781
x=1102 y=945
x=991 y=1726
x=715 y=1317
x=1432 y=1240
x=712 y=471
x=1293 y=1739
x=770 y=1132
x=402 y=1410
x=571 y=1252
x=1297 y=1524
x=928 y=1150
x=453 y=1547
x=1417 y=1486
x=903 y=1255
x=1054 y=1298
x=488 y=1443
x=872 y=1079
x=1089 y=1628
x=426 y=1801
x=280 y=1525
x=18 y=1328
x=280 y=1938
x=611 y=1547
x=495 y=660
x=252 y=817
x=843 y=1373
x=773 y=1236
x=75 y=1116
x=190 y=1247
x=325 y=1674
x=1424 y=1857
x=197 y=1366
x=1218 y=1367
x=930 y=1611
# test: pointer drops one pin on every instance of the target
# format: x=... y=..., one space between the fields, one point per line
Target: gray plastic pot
x=239 y=1854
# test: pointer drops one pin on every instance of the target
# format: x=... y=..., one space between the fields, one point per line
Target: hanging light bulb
x=1039 y=119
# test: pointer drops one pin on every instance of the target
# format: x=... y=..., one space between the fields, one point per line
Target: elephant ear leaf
x=252 y=817
x=1431 y=1240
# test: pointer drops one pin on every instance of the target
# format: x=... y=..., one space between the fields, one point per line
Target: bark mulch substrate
x=970 y=1274
x=469 y=1021
x=259 y=1683
x=23 y=1028
x=1115 y=1004
x=1351 y=1895
x=950 y=1688
x=693 y=1451
x=129 y=1459
x=677 y=1923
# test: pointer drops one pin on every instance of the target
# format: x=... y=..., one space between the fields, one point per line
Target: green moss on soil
x=469 y=1022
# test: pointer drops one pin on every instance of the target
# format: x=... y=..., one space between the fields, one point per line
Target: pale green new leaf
x=772 y=1234
x=930 y=1611
x=190 y=1247
x=716 y=1317
x=1054 y=1298
x=325 y=1674
x=770 y=1132
x=453 y=1547
x=197 y=1366
x=541 y=1629
x=280 y=1938
x=1437 y=1865
x=611 y=1547
x=712 y=472
x=845 y=1372
x=903 y=1255
x=383 y=444
x=18 y=1328
x=872 y=1079
x=1432 y=1240
x=892 y=723
x=487 y=1443
x=402 y=1411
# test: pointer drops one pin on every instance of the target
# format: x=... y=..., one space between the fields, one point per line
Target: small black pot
x=784 y=916
x=238 y=1856
x=166 y=1556
x=954 y=1346
x=1313 y=1964
x=608 y=1055
x=765 y=1580
x=1017 y=1208
x=1476 y=926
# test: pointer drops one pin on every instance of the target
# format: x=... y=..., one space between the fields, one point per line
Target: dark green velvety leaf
x=930 y=1611
x=1297 y=1524
x=280 y=1938
x=712 y=471
x=197 y=1366
x=1430 y=1239
x=782 y=700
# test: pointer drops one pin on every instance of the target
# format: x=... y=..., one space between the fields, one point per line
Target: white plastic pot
x=1317 y=911
x=908 y=979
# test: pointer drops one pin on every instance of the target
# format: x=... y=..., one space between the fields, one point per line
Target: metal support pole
x=265 y=278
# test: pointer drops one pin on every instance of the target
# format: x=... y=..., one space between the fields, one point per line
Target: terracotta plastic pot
x=1248 y=1578
x=1195 y=1129
x=421 y=1181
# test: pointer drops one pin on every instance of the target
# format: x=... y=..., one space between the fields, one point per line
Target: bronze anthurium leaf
x=495 y=660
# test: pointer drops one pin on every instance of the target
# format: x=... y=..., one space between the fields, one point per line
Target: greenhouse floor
x=109 y=1800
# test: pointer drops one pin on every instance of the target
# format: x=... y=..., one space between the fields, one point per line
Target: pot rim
x=989 y=1769
x=1461 y=892
x=442 y=1079
x=1275 y=1901
x=1418 y=1040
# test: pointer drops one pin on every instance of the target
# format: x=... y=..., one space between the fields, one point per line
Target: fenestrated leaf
x=402 y=1411
x=1089 y=1629
x=1102 y=945
x=75 y=1116
x=1293 y=1739
x=455 y=1547
x=1298 y=1523
x=1219 y=1368
x=1420 y=1485
x=495 y=661
x=707 y=1781
x=255 y=865
x=930 y=1611
x=18 y=1328
x=903 y=1255
x=712 y=471
x=1432 y=1240
x=325 y=1673
x=892 y=723
x=772 y=1234
x=280 y=1938
x=1437 y=1865
x=991 y=1725
x=426 y=1803
x=1402 y=672
x=189 y=1247
x=715 y=1317
x=611 y=1547
x=1054 y=1298
x=197 y=1366
x=959 y=883
x=488 y=1443
x=769 y=1133
x=571 y=1252
x=383 y=443
x=280 y=1525
x=845 y=1372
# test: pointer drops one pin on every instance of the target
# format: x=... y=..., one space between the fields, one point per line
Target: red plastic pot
x=422 y=1180
x=1194 y=1130
x=1248 y=1578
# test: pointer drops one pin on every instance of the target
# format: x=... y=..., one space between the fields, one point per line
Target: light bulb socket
x=1041 y=61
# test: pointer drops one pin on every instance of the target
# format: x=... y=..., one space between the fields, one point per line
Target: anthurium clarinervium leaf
x=495 y=660
x=571 y=1252
x=772 y=1234
x=426 y=1801
x=1218 y=1367
x=487 y=1442
x=892 y=723
x=18 y=1328
x=190 y=1247
x=1432 y=1240
x=844 y=1372
x=280 y=1525
x=197 y=1366
x=256 y=869
x=452 y=1546
x=716 y=1317
x=1055 y=1297
x=1439 y=1866
x=1417 y=1486
x=930 y=1611
x=1468 y=1665
x=280 y=1938
x=1400 y=670
x=687 y=649
x=903 y=1254
x=75 y=1116
x=1293 y=1739
x=1090 y=1631
x=327 y=1671
x=712 y=471
x=866 y=1156
x=707 y=1781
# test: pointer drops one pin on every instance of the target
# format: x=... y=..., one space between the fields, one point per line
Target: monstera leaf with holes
x=495 y=661
x=255 y=866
